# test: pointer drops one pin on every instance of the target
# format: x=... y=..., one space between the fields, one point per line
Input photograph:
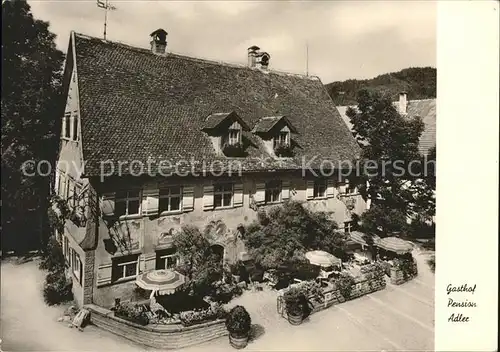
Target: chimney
x=252 y=55
x=159 y=41
x=264 y=60
x=403 y=103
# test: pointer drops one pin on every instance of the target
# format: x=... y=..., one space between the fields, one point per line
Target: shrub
x=296 y=302
x=376 y=269
x=345 y=283
x=133 y=313
x=52 y=256
x=57 y=288
x=407 y=265
x=224 y=293
x=238 y=322
x=193 y=317
x=432 y=263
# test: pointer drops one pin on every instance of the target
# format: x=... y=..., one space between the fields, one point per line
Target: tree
x=282 y=236
x=198 y=261
x=396 y=184
x=31 y=106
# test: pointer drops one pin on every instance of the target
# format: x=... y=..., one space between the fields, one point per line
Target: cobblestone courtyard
x=397 y=318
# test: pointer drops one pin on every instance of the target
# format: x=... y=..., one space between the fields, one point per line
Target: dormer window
x=276 y=132
x=225 y=131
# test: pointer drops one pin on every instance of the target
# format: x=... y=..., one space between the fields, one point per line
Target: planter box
x=172 y=336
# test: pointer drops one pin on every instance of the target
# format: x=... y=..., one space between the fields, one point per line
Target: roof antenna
x=104 y=4
x=307 y=58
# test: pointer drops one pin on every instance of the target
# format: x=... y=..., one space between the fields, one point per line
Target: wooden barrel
x=238 y=342
x=295 y=319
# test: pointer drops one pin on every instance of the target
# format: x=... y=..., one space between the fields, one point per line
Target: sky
x=341 y=39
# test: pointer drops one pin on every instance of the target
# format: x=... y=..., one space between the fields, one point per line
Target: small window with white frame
x=76 y=265
x=67 y=125
x=125 y=267
x=234 y=136
x=170 y=199
x=167 y=259
x=75 y=127
x=127 y=203
x=223 y=195
x=282 y=138
x=320 y=186
x=273 y=191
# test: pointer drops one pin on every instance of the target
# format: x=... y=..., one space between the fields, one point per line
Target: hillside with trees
x=418 y=82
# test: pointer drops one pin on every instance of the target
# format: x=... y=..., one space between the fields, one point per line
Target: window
x=66 y=249
x=350 y=189
x=125 y=267
x=67 y=188
x=170 y=199
x=283 y=138
x=67 y=125
x=273 y=191
x=127 y=203
x=76 y=265
x=75 y=127
x=234 y=137
x=348 y=226
x=223 y=195
x=319 y=188
x=166 y=259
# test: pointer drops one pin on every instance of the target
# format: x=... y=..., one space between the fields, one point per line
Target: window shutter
x=104 y=274
x=108 y=204
x=208 y=197
x=238 y=195
x=188 y=198
x=71 y=194
x=310 y=189
x=150 y=199
x=260 y=193
x=148 y=262
x=81 y=272
x=285 y=190
x=330 y=188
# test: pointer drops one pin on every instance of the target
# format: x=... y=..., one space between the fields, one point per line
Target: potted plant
x=295 y=303
x=238 y=324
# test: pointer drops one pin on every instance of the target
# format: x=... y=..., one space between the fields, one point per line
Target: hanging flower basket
x=283 y=150
x=233 y=150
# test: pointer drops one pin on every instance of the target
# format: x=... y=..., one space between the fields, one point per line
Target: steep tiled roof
x=136 y=105
x=426 y=109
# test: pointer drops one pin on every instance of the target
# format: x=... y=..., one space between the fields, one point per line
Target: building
x=152 y=141
x=424 y=108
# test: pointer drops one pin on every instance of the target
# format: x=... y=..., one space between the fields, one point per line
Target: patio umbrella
x=164 y=282
x=358 y=237
x=322 y=258
x=394 y=244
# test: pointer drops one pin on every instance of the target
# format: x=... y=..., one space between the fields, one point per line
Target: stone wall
x=398 y=277
x=173 y=336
